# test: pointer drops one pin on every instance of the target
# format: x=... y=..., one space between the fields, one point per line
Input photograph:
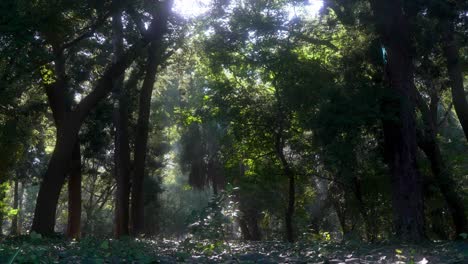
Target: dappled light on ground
x=39 y=250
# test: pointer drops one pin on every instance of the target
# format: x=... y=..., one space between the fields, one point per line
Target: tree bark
x=49 y=191
x=122 y=145
x=454 y=69
x=248 y=222
x=74 y=194
x=400 y=135
x=59 y=98
x=141 y=141
x=252 y=221
x=244 y=229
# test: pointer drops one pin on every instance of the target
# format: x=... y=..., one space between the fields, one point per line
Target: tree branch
x=87 y=31
x=444 y=118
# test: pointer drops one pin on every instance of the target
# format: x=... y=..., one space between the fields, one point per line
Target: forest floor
x=35 y=249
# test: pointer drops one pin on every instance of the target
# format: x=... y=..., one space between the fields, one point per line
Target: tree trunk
x=341 y=214
x=439 y=225
x=122 y=145
x=20 y=209
x=242 y=219
x=14 y=220
x=74 y=194
x=141 y=141
x=290 y=210
x=252 y=220
x=49 y=190
x=455 y=73
x=427 y=141
x=370 y=232
x=337 y=198
x=288 y=172
x=1 y=224
x=3 y=193
x=244 y=229
x=447 y=185
x=400 y=135
x=60 y=104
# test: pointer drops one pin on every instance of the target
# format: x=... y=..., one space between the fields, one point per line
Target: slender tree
x=14 y=221
x=141 y=140
x=428 y=142
x=454 y=68
x=121 y=143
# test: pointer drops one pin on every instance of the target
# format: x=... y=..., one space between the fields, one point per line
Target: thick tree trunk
x=14 y=220
x=455 y=73
x=141 y=141
x=60 y=104
x=252 y=218
x=341 y=214
x=248 y=223
x=49 y=191
x=122 y=145
x=400 y=135
x=74 y=194
x=244 y=229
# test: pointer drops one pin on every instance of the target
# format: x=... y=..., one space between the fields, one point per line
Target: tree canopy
x=216 y=123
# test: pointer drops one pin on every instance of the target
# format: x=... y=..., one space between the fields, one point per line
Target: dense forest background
x=243 y=120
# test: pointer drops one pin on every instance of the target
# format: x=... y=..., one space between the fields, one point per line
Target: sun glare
x=310 y=10
x=314 y=6
x=194 y=8
x=191 y=8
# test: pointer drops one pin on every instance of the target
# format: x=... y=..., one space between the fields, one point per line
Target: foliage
x=261 y=113
x=50 y=250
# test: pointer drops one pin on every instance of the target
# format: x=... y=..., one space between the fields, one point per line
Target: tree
x=400 y=135
x=121 y=143
x=448 y=14
x=44 y=217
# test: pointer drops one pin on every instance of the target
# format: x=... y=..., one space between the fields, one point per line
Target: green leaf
x=105 y=245
x=14 y=256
